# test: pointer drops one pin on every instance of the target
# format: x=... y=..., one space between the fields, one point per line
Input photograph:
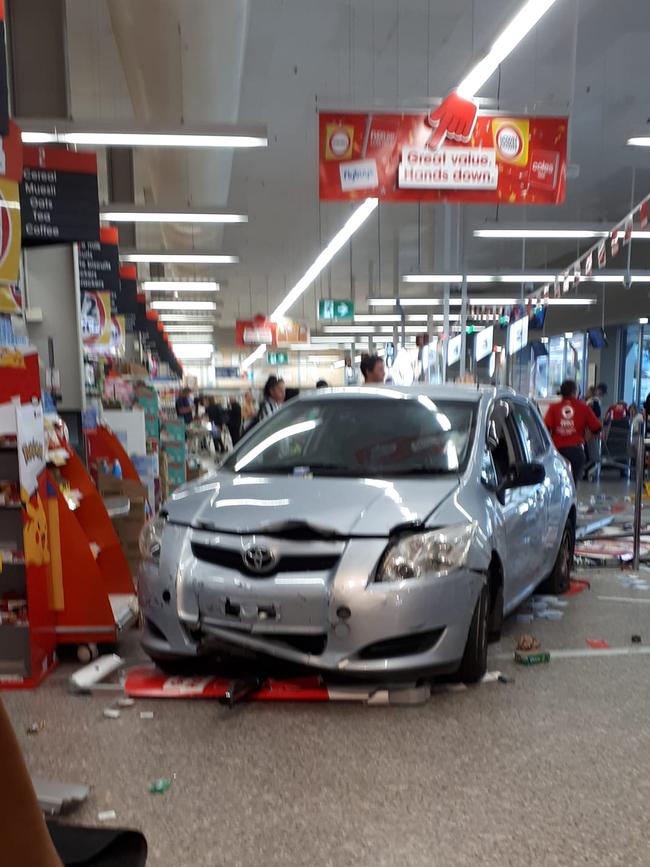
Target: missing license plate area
x=250 y=612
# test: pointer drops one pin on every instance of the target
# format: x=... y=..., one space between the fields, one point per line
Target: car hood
x=326 y=505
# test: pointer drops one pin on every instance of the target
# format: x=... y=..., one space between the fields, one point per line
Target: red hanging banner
x=406 y=157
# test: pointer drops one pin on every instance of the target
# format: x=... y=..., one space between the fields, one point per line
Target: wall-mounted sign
x=454 y=347
x=331 y=310
x=227 y=373
x=9 y=231
x=99 y=264
x=483 y=342
x=510 y=160
x=251 y=332
x=276 y=359
x=58 y=196
x=290 y=331
x=96 y=319
x=517 y=335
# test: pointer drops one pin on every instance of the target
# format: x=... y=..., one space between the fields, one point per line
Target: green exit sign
x=277 y=358
x=331 y=310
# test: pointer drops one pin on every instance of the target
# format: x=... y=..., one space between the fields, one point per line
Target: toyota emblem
x=259 y=559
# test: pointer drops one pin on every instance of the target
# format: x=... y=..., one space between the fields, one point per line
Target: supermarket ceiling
x=275 y=62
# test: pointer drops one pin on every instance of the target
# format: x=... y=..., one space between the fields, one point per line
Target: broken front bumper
x=320 y=608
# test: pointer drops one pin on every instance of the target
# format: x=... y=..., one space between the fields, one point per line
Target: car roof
x=468 y=393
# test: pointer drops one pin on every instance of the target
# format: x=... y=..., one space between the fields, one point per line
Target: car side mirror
x=522 y=476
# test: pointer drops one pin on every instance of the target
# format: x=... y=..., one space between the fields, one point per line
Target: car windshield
x=360 y=437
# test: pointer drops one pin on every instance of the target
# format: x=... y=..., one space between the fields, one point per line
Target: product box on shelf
x=127 y=527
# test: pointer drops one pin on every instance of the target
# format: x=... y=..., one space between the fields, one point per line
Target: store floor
x=551 y=769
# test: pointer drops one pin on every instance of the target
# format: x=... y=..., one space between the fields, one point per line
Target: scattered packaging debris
x=125 y=702
x=111 y=713
x=146 y=714
x=504 y=679
x=35 y=728
x=106 y=815
x=528 y=651
x=597 y=643
x=636 y=639
x=160 y=786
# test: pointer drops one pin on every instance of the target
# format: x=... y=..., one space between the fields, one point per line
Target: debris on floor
x=111 y=713
x=106 y=816
x=35 y=728
x=597 y=643
x=636 y=639
x=528 y=651
x=160 y=786
x=93 y=677
x=146 y=714
x=542 y=608
x=54 y=797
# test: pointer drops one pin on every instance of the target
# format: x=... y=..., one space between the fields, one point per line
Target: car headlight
x=150 y=541
x=421 y=554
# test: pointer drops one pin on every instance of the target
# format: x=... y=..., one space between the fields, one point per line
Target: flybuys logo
x=359 y=175
x=511 y=140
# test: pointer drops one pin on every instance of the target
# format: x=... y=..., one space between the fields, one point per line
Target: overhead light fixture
x=179 y=258
x=643 y=320
x=116 y=213
x=477 y=300
x=102 y=134
x=309 y=347
x=193 y=351
x=183 y=305
x=551 y=234
x=180 y=286
x=639 y=141
x=391 y=317
x=478 y=278
x=189 y=329
x=356 y=220
x=254 y=356
x=197 y=318
x=523 y=22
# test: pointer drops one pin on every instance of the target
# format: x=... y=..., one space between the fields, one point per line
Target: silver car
x=372 y=533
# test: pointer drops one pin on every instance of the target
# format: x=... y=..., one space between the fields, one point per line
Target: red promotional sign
x=403 y=157
x=251 y=332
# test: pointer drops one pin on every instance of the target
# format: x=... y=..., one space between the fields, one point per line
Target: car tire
x=559 y=580
x=474 y=662
x=495 y=622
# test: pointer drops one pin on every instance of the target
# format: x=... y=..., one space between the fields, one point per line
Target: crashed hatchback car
x=368 y=532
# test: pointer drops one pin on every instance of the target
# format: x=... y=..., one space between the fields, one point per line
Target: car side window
x=507 y=450
x=534 y=442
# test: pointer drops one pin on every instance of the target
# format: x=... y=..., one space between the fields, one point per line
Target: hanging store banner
x=127 y=298
x=9 y=231
x=58 y=196
x=251 y=332
x=11 y=154
x=31 y=445
x=99 y=264
x=118 y=333
x=509 y=160
x=96 y=319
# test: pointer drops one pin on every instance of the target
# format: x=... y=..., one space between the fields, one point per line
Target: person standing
x=567 y=422
x=184 y=408
x=373 y=370
x=234 y=421
x=274 y=393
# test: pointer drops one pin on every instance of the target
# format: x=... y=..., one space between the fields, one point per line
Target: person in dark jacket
x=234 y=421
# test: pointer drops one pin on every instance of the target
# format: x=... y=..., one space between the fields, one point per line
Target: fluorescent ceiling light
x=183 y=305
x=643 y=320
x=193 y=350
x=131 y=214
x=523 y=22
x=309 y=347
x=99 y=133
x=391 y=317
x=189 y=329
x=180 y=258
x=180 y=286
x=552 y=234
x=478 y=278
x=639 y=141
x=357 y=219
x=478 y=301
x=254 y=356
x=197 y=319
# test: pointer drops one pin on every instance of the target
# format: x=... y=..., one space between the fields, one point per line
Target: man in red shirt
x=567 y=421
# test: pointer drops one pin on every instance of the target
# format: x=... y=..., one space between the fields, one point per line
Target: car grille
x=230 y=559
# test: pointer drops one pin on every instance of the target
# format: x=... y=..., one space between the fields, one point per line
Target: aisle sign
x=96 y=319
x=99 y=264
x=517 y=335
x=290 y=331
x=277 y=358
x=9 y=231
x=332 y=310
x=403 y=158
x=251 y=332
x=483 y=342
x=58 y=196
x=454 y=347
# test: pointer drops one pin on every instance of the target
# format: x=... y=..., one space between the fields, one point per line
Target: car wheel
x=559 y=580
x=495 y=623
x=474 y=663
